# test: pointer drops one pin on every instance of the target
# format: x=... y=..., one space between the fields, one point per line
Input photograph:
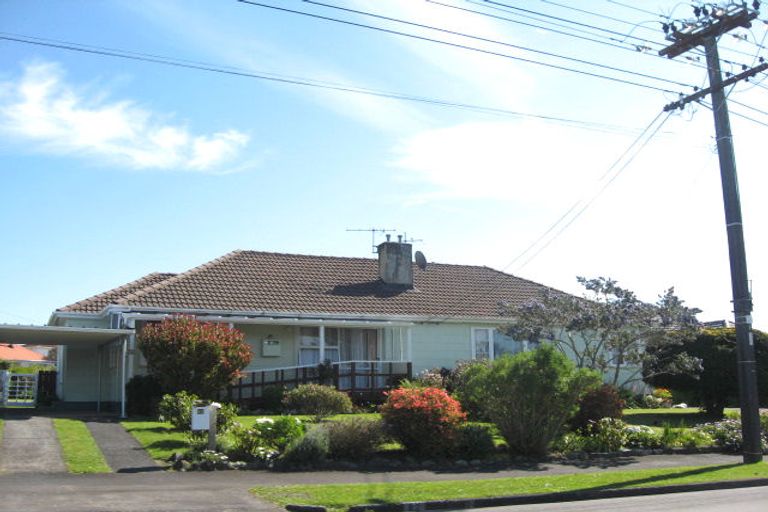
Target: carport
x=83 y=339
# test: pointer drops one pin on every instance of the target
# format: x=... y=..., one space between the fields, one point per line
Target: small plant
x=474 y=441
x=599 y=403
x=355 y=438
x=318 y=400
x=605 y=435
x=641 y=436
x=424 y=420
x=310 y=449
x=267 y=438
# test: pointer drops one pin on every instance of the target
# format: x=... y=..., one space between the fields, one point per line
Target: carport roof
x=53 y=335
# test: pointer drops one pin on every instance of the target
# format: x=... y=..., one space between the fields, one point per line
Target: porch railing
x=357 y=378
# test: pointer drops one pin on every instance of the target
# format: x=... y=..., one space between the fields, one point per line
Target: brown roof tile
x=98 y=302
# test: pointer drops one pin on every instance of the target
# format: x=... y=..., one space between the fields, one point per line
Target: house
x=372 y=318
x=20 y=355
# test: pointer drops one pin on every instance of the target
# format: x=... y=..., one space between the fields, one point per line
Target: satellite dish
x=421 y=261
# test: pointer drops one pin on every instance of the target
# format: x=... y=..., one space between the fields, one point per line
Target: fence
x=360 y=379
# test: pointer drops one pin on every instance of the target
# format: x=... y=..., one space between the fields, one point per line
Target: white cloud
x=503 y=160
x=43 y=108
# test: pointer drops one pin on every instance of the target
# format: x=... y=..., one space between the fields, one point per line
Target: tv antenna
x=373 y=232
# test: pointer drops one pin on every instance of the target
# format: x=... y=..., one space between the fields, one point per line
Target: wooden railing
x=360 y=379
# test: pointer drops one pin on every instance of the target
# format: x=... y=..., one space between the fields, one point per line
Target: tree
x=609 y=329
x=715 y=383
x=530 y=396
x=185 y=354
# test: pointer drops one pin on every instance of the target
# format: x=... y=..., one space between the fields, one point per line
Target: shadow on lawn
x=668 y=478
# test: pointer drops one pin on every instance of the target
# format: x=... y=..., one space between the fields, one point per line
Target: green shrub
x=641 y=436
x=424 y=420
x=312 y=448
x=177 y=410
x=143 y=393
x=596 y=404
x=267 y=438
x=605 y=435
x=690 y=438
x=474 y=441
x=5 y=365
x=355 y=438
x=530 y=396
x=457 y=383
x=317 y=400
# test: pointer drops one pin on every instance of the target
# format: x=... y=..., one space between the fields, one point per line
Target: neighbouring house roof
x=252 y=281
x=11 y=352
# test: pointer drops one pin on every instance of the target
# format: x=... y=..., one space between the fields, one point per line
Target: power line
x=610 y=41
x=638 y=143
x=200 y=66
x=493 y=41
x=461 y=46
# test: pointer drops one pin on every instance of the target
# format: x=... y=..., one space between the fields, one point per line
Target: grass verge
x=339 y=497
x=80 y=451
x=1 y=430
x=158 y=438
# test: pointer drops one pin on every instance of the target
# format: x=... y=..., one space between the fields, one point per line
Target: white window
x=482 y=343
x=309 y=345
x=332 y=341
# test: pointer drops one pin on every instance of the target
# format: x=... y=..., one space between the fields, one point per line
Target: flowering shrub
x=424 y=420
x=605 y=435
x=432 y=378
x=267 y=438
x=652 y=402
x=317 y=400
x=726 y=434
x=641 y=436
x=185 y=354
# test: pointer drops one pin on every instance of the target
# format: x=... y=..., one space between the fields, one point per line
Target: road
x=753 y=499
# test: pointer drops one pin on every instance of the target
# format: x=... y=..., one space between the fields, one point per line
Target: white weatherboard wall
x=440 y=345
x=256 y=334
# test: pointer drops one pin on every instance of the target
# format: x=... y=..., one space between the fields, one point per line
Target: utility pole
x=704 y=32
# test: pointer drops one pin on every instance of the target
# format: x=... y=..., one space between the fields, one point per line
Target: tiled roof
x=9 y=352
x=98 y=302
x=251 y=281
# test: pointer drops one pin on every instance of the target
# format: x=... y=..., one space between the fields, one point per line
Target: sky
x=113 y=168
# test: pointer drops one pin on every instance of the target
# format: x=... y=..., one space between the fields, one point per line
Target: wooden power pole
x=704 y=32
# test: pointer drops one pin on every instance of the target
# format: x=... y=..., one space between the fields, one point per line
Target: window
x=309 y=345
x=482 y=346
x=490 y=343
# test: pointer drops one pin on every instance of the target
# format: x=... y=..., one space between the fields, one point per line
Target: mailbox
x=204 y=416
x=201 y=417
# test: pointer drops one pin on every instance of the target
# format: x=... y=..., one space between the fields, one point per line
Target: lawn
x=158 y=438
x=80 y=451
x=340 y=497
x=689 y=417
x=1 y=430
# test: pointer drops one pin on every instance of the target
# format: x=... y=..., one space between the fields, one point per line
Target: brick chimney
x=395 y=263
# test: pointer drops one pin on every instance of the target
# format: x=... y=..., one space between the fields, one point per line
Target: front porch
x=362 y=380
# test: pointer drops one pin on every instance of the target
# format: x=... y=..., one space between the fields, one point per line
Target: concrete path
x=30 y=445
x=121 y=450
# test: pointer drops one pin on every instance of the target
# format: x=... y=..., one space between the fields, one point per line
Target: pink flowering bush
x=424 y=420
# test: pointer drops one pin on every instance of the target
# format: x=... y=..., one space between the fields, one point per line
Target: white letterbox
x=201 y=417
